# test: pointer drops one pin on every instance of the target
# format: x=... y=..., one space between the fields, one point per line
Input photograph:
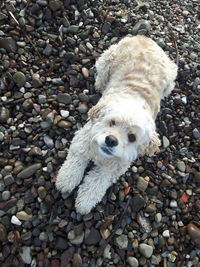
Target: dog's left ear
x=97 y=111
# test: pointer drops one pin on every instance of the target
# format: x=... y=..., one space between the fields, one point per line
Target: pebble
x=26 y=254
x=93 y=237
x=166 y=234
x=48 y=141
x=132 y=261
x=181 y=166
x=158 y=217
x=22 y=215
x=48 y=50
x=9 y=44
x=19 y=78
x=4 y=115
x=6 y=195
x=194 y=233
x=173 y=204
x=36 y=81
x=85 y=72
x=64 y=98
x=64 y=113
x=142 y=27
x=78 y=239
x=142 y=184
x=196 y=133
x=29 y=171
x=122 y=241
x=146 y=250
x=165 y=142
x=15 y=220
x=137 y=203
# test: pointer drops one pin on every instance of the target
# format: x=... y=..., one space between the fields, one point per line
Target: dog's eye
x=112 y=123
x=131 y=138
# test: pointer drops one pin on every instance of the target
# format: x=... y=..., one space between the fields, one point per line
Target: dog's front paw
x=83 y=207
x=63 y=185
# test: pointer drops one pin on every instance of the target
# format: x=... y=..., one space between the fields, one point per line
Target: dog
x=132 y=76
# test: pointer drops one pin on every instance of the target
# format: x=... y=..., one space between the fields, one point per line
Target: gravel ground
x=151 y=216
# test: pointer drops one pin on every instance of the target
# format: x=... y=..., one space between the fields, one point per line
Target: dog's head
x=123 y=128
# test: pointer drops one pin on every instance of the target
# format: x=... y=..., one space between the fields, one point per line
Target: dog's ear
x=154 y=144
x=97 y=111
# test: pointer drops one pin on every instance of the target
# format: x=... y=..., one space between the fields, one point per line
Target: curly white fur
x=133 y=76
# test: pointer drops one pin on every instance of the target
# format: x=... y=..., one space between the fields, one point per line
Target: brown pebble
x=55 y=263
x=194 y=233
x=77 y=260
x=3 y=233
x=85 y=72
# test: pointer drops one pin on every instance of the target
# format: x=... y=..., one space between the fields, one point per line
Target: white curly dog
x=133 y=76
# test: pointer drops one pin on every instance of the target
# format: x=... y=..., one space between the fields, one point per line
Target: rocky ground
x=151 y=216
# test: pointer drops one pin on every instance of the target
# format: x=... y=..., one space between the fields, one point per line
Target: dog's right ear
x=97 y=111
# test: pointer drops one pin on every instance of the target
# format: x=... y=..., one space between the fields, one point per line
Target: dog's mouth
x=106 y=151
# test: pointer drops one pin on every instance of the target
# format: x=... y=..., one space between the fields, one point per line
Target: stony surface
x=47 y=79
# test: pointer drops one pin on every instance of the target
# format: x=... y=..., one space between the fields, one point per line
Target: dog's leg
x=71 y=172
x=94 y=187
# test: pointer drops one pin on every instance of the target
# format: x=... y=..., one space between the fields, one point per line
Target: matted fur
x=133 y=76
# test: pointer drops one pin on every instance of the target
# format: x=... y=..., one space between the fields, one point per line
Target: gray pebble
x=19 y=78
x=132 y=261
x=146 y=250
x=64 y=98
x=29 y=171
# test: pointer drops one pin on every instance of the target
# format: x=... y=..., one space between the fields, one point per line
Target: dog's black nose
x=111 y=141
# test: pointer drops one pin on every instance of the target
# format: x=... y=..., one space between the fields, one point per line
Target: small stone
x=142 y=27
x=142 y=184
x=61 y=243
x=173 y=204
x=26 y=255
x=64 y=113
x=3 y=16
x=48 y=141
x=181 y=166
x=146 y=250
x=197 y=178
x=27 y=104
x=132 y=261
x=48 y=50
x=165 y=141
x=19 y=78
x=196 y=133
x=122 y=241
x=82 y=108
x=137 y=203
x=3 y=233
x=9 y=179
x=105 y=233
x=78 y=239
x=144 y=223
x=55 y=5
x=106 y=27
x=156 y=259
x=42 y=192
x=6 y=195
x=36 y=81
x=4 y=114
x=74 y=29
x=22 y=215
x=64 y=124
x=15 y=220
x=93 y=237
x=64 y=98
x=151 y=208
x=9 y=44
x=77 y=260
x=85 y=72
x=194 y=233
x=29 y=171
x=158 y=217
x=166 y=234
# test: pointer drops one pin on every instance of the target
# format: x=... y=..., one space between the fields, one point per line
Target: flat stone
x=93 y=237
x=142 y=184
x=61 y=243
x=78 y=239
x=146 y=250
x=29 y=171
x=4 y=114
x=15 y=220
x=48 y=50
x=196 y=133
x=142 y=27
x=64 y=98
x=19 y=78
x=165 y=141
x=181 y=166
x=9 y=179
x=5 y=205
x=3 y=233
x=9 y=44
x=132 y=261
x=122 y=241
x=137 y=203
x=22 y=215
x=36 y=81
x=55 y=5
x=26 y=255
x=194 y=233
x=77 y=260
